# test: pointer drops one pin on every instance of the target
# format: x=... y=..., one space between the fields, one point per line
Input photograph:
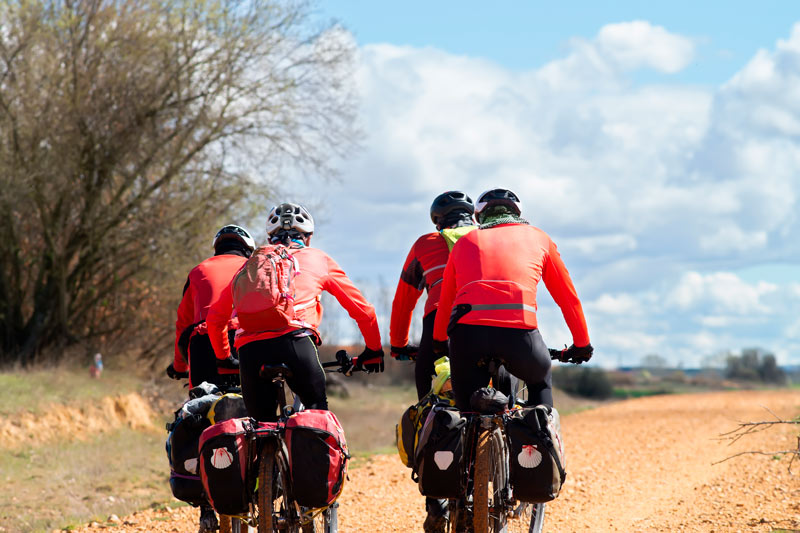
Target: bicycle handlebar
x=344 y=364
x=561 y=355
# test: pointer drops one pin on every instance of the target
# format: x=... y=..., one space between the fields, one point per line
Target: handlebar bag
x=439 y=454
x=226 y=465
x=318 y=457
x=536 y=454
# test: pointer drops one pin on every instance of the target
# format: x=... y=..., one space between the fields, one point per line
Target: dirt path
x=642 y=465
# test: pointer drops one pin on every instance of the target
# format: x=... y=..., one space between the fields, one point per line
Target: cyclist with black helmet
x=451 y=212
x=488 y=301
x=295 y=345
x=194 y=355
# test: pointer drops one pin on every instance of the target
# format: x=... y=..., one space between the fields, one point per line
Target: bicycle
x=489 y=503
x=273 y=507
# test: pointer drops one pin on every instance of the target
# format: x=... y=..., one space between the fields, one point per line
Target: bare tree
x=748 y=428
x=128 y=130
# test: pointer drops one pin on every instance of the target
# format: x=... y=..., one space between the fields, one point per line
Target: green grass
x=625 y=393
x=32 y=390
x=72 y=483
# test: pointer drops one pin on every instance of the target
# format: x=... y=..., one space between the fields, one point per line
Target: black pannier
x=440 y=454
x=536 y=454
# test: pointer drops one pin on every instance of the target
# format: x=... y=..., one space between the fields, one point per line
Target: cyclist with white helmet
x=193 y=352
x=295 y=345
x=488 y=301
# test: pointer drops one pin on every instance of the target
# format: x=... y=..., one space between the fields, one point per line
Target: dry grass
x=56 y=486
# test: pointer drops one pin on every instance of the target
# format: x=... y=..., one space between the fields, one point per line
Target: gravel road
x=640 y=465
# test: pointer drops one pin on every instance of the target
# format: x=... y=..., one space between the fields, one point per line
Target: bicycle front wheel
x=275 y=508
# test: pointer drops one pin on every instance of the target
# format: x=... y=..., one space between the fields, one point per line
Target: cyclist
x=295 y=346
x=451 y=212
x=194 y=356
x=232 y=246
x=490 y=287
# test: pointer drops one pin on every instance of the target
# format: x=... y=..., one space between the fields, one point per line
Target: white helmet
x=499 y=196
x=288 y=216
x=234 y=232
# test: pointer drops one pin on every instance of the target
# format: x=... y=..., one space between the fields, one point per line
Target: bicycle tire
x=498 y=479
x=229 y=524
x=537 y=520
x=321 y=523
x=275 y=510
x=480 y=491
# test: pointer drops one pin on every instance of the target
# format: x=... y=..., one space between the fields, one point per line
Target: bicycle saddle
x=275 y=371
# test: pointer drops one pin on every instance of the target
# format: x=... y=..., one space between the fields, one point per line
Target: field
x=637 y=465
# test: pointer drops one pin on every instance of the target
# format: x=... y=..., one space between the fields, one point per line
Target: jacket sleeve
x=409 y=289
x=339 y=285
x=559 y=284
x=217 y=323
x=446 y=299
x=184 y=320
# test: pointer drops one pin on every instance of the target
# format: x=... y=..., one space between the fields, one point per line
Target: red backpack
x=263 y=290
x=317 y=457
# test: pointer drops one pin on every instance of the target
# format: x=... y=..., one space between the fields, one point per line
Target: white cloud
x=639 y=44
x=654 y=194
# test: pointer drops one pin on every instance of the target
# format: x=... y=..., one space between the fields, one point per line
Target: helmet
x=449 y=202
x=288 y=216
x=494 y=197
x=236 y=233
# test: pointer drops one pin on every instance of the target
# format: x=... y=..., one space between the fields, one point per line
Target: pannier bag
x=536 y=454
x=225 y=465
x=182 y=444
x=408 y=429
x=439 y=454
x=317 y=457
x=187 y=488
x=264 y=290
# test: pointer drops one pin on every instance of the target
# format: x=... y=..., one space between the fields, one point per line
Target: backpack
x=264 y=291
x=226 y=465
x=536 y=454
x=407 y=431
x=317 y=457
x=439 y=454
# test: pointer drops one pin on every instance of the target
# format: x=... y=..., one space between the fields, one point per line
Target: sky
x=658 y=144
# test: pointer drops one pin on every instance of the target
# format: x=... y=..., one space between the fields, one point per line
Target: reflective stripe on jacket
x=317 y=272
x=203 y=286
x=422 y=270
x=491 y=280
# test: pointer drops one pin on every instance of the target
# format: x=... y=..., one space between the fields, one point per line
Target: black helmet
x=236 y=233
x=450 y=202
x=494 y=197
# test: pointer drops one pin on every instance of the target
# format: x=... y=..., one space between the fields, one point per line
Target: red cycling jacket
x=203 y=286
x=317 y=273
x=423 y=270
x=495 y=271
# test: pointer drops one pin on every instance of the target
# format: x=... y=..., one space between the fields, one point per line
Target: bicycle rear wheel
x=491 y=482
x=276 y=511
x=324 y=522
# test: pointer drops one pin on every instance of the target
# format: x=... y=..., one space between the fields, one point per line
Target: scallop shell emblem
x=529 y=457
x=191 y=465
x=221 y=458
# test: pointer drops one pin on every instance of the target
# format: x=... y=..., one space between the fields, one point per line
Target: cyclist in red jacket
x=194 y=357
x=488 y=302
x=296 y=344
x=451 y=213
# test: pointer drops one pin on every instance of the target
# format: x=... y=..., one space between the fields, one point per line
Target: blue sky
x=657 y=143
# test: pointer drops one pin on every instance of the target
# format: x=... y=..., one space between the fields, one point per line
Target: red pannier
x=226 y=465
x=317 y=457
